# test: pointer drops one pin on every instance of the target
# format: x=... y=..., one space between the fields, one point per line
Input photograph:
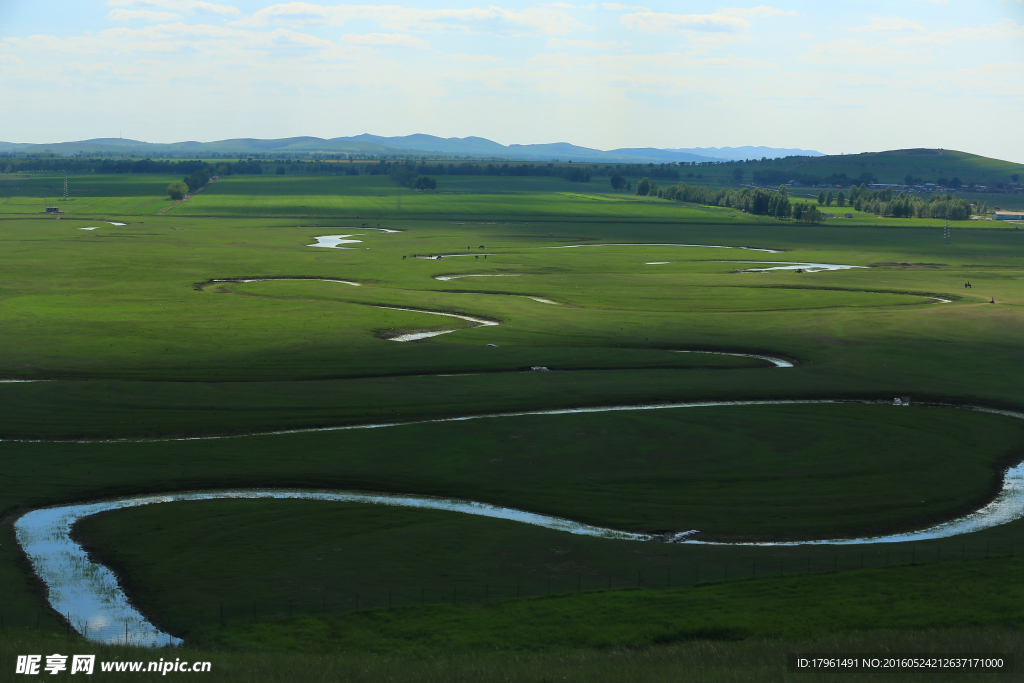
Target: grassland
x=138 y=342
x=711 y=661
x=369 y=198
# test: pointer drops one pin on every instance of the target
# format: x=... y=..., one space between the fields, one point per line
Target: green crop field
x=210 y=346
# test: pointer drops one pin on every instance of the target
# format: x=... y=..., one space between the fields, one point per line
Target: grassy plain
x=137 y=341
x=708 y=661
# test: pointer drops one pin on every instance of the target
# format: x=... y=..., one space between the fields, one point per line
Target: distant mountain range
x=407 y=145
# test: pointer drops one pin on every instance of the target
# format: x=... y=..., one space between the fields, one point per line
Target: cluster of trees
x=620 y=183
x=904 y=205
x=409 y=176
x=198 y=179
x=578 y=174
x=97 y=165
x=190 y=184
x=808 y=213
x=662 y=171
x=177 y=190
x=756 y=201
x=104 y=165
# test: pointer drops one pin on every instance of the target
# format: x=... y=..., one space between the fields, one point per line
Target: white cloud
x=726 y=20
x=850 y=50
x=890 y=23
x=141 y=15
x=759 y=11
x=701 y=44
x=394 y=17
x=659 y=22
x=219 y=41
x=180 y=5
x=472 y=59
x=620 y=6
x=394 y=39
x=562 y=43
x=644 y=63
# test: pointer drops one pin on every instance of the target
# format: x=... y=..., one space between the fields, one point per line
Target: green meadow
x=125 y=344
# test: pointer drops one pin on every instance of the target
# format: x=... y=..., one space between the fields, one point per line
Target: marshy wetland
x=211 y=348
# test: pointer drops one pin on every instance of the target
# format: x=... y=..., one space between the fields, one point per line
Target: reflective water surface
x=90 y=596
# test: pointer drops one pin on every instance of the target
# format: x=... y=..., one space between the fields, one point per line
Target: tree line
x=15 y=165
x=771 y=176
x=578 y=174
x=762 y=202
x=905 y=205
x=757 y=201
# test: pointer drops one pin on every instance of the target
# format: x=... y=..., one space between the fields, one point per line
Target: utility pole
x=65 y=185
x=946 y=236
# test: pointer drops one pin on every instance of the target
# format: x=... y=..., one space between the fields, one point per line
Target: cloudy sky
x=836 y=77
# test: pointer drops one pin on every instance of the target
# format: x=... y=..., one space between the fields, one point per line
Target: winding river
x=89 y=594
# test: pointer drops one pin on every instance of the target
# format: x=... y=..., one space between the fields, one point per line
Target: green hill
x=892 y=167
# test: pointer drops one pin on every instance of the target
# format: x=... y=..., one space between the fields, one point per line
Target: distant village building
x=1009 y=215
x=52 y=209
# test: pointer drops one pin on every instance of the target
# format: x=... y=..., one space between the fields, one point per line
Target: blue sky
x=837 y=77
